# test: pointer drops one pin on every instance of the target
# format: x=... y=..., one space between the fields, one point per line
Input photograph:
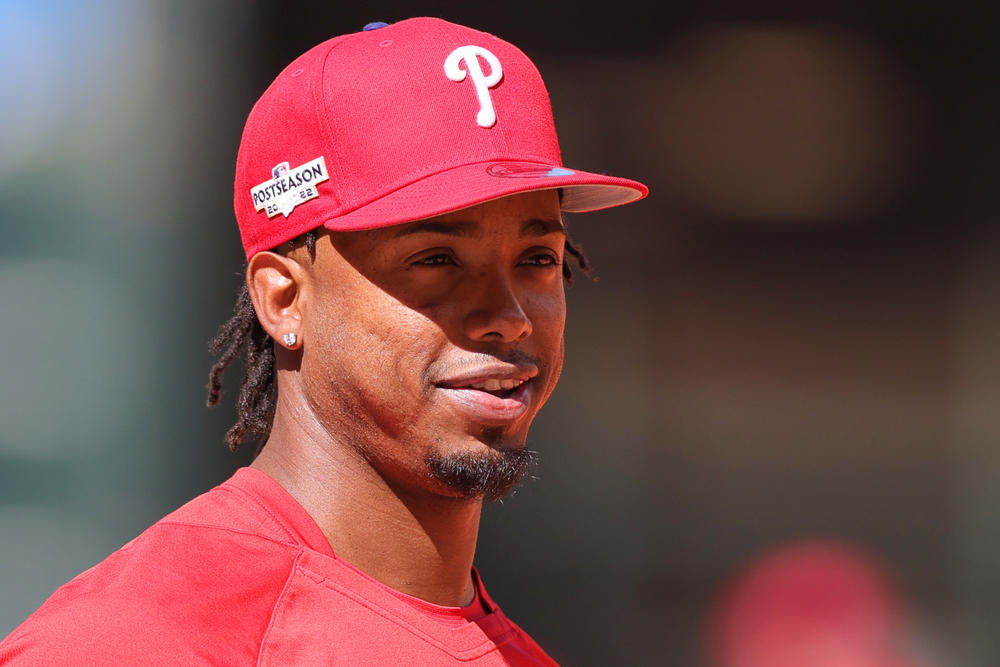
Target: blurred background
x=780 y=414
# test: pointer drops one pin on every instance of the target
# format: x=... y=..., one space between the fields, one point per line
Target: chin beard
x=491 y=474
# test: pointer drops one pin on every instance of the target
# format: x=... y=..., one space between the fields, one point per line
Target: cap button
x=375 y=25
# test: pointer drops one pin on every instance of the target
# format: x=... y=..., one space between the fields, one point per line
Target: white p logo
x=470 y=56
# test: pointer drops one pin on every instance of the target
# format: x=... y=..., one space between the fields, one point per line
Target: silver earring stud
x=290 y=339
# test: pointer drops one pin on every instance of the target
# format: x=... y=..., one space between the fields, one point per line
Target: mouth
x=491 y=398
x=501 y=388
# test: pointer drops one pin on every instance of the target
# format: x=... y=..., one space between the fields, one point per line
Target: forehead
x=521 y=215
x=517 y=218
x=532 y=227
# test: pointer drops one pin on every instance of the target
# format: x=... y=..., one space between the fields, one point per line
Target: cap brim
x=471 y=184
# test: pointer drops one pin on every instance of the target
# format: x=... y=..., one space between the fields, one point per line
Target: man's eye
x=439 y=259
x=542 y=259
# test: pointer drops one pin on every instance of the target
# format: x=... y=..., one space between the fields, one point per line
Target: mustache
x=468 y=361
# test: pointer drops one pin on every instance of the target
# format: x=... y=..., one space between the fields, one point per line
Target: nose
x=496 y=313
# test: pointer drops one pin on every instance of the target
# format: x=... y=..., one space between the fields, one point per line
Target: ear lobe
x=275 y=284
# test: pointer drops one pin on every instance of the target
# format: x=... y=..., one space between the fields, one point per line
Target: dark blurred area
x=795 y=338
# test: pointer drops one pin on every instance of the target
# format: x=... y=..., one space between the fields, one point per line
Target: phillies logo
x=469 y=56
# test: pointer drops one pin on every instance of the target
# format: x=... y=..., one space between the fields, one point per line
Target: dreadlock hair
x=258 y=392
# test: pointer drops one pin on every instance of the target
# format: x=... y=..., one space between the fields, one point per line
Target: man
x=399 y=194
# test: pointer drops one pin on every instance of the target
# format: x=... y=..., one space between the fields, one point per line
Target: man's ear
x=276 y=284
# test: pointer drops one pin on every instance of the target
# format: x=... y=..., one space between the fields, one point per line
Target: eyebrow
x=532 y=227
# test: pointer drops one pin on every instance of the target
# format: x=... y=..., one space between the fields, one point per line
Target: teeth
x=496 y=385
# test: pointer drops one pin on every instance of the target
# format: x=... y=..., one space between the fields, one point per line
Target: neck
x=413 y=541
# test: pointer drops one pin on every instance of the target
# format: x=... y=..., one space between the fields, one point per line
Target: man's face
x=429 y=347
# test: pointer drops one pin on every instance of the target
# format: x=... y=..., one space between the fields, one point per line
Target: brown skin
x=386 y=320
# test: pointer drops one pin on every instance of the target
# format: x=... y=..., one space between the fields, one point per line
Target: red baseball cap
x=398 y=123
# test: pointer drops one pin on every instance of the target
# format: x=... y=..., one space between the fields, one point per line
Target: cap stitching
x=319 y=100
x=324 y=121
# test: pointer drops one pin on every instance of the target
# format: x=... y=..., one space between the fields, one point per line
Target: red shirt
x=242 y=575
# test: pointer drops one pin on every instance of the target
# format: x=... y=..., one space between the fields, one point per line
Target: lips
x=496 y=384
x=491 y=396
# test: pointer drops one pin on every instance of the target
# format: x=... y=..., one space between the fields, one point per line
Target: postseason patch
x=289 y=187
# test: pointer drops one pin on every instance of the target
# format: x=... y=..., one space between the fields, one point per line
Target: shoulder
x=199 y=585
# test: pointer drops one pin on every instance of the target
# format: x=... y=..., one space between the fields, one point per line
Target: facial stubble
x=490 y=474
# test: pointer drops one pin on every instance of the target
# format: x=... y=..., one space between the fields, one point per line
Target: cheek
x=381 y=345
x=548 y=317
x=554 y=372
x=548 y=325
x=367 y=377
